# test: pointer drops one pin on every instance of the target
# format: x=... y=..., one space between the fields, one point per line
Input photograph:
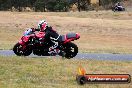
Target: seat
x=62 y=38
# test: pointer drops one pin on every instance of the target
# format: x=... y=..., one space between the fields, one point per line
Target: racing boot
x=51 y=52
x=54 y=52
x=59 y=52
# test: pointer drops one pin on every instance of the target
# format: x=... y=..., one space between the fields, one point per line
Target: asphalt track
x=92 y=56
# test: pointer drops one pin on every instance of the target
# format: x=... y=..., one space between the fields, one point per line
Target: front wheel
x=71 y=50
x=20 y=50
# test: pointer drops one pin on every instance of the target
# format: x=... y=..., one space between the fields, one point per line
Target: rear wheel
x=71 y=50
x=20 y=50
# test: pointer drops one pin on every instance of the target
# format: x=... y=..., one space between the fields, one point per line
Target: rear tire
x=71 y=50
x=21 y=52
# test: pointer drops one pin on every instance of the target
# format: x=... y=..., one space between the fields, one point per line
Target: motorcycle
x=37 y=44
x=118 y=8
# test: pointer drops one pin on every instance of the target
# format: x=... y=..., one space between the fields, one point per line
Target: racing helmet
x=42 y=25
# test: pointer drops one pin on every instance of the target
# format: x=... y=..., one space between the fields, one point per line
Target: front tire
x=19 y=51
x=71 y=50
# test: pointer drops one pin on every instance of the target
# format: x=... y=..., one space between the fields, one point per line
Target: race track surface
x=97 y=56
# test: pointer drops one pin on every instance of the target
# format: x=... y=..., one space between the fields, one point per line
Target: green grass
x=52 y=72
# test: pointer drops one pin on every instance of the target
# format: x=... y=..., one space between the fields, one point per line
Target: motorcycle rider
x=118 y=5
x=52 y=35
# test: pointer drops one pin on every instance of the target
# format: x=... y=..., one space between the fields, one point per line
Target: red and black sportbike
x=36 y=44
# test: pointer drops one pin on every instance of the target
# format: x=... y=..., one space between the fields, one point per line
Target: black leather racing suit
x=52 y=35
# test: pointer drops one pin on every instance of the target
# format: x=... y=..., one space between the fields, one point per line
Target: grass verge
x=25 y=72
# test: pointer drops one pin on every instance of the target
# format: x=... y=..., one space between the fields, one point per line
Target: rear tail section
x=70 y=37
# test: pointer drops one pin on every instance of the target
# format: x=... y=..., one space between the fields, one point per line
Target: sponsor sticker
x=83 y=78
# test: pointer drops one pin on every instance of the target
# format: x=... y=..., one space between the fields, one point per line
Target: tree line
x=51 y=5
